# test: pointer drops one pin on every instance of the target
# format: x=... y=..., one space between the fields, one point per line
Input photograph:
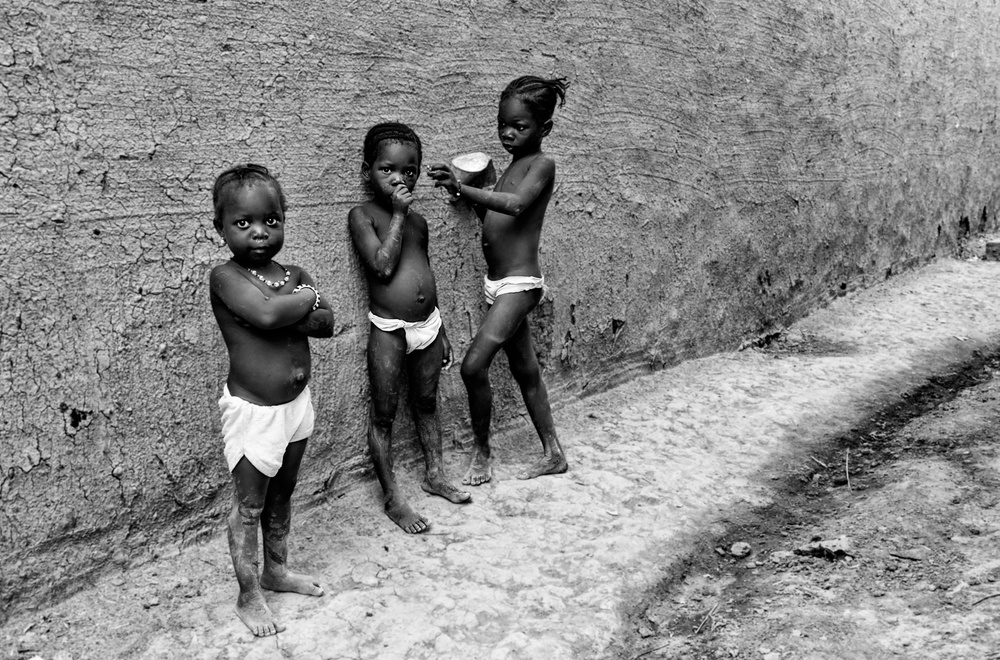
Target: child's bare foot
x=549 y=464
x=294 y=582
x=480 y=471
x=400 y=513
x=441 y=486
x=254 y=612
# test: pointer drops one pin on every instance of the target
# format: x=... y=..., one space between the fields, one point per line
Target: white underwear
x=512 y=284
x=262 y=433
x=419 y=334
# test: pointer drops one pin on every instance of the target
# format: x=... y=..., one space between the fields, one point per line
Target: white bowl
x=471 y=163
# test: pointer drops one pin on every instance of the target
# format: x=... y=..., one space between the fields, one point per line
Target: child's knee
x=382 y=414
x=424 y=404
x=525 y=373
x=473 y=373
x=248 y=510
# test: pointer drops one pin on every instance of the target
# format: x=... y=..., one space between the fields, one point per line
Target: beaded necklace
x=273 y=285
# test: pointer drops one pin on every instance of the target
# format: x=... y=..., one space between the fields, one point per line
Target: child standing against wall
x=406 y=337
x=266 y=313
x=512 y=215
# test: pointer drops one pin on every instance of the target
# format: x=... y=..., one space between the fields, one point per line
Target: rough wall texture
x=724 y=167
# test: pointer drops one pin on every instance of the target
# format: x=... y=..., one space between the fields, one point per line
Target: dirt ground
x=882 y=545
x=828 y=493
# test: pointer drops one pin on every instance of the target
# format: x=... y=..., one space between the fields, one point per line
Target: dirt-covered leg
x=386 y=352
x=424 y=371
x=275 y=523
x=498 y=326
x=249 y=493
x=526 y=371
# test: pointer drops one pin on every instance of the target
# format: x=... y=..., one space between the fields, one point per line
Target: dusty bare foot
x=480 y=471
x=254 y=612
x=400 y=513
x=294 y=582
x=551 y=464
x=441 y=486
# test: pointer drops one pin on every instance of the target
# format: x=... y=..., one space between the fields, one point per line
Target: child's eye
x=270 y=222
x=410 y=173
x=384 y=170
x=242 y=224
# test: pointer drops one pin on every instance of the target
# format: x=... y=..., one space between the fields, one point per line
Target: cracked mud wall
x=724 y=167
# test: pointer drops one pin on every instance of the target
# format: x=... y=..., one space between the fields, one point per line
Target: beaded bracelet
x=311 y=288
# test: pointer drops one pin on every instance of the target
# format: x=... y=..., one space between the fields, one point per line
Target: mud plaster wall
x=724 y=167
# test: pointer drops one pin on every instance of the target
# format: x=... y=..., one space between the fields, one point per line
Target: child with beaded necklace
x=266 y=313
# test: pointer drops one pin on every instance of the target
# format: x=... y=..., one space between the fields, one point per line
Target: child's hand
x=401 y=199
x=443 y=176
x=448 y=360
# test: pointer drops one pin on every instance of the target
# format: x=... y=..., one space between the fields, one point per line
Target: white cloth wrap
x=419 y=334
x=262 y=433
x=512 y=284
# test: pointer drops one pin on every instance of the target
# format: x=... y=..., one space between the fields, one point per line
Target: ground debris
x=832 y=549
x=913 y=554
x=740 y=549
x=779 y=556
x=29 y=643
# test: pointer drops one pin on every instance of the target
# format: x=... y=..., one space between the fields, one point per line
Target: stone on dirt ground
x=551 y=568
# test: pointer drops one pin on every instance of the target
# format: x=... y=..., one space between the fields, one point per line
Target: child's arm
x=448 y=358
x=541 y=173
x=380 y=257
x=254 y=306
x=318 y=322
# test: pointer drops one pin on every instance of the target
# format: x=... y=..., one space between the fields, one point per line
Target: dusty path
x=546 y=569
x=905 y=504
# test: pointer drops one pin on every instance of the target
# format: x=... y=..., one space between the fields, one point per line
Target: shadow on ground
x=880 y=543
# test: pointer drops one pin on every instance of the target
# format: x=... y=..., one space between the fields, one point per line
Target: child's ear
x=546 y=128
x=366 y=171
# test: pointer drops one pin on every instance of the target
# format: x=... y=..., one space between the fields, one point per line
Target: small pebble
x=29 y=642
x=740 y=549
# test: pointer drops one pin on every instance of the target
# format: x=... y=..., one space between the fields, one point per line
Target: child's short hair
x=538 y=94
x=243 y=175
x=389 y=132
